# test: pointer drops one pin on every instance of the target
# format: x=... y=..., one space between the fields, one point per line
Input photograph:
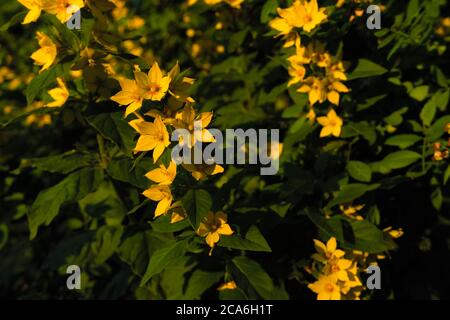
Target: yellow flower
x=328 y=251
x=352 y=281
x=130 y=96
x=46 y=55
x=212 y=226
x=230 y=285
x=326 y=288
x=439 y=153
x=63 y=9
x=186 y=119
x=332 y=124
x=178 y=213
x=334 y=88
x=313 y=15
x=35 y=7
x=154 y=136
x=201 y=171
x=297 y=73
x=350 y=210
x=338 y=267
x=311 y=115
x=316 y=89
x=154 y=86
x=290 y=17
x=234 y=3
x=59 y=94
x=163 y=175
x=302 y=14
x=395 y=234
x=281 y=25
x=161 y=194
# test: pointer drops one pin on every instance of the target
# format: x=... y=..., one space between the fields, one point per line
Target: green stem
x=102 y=151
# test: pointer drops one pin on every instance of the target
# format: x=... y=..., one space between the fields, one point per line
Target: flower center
x=308 y=18
x=154 y=88
x=329 y=287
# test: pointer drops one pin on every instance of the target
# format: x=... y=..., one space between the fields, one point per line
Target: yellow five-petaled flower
x=161 y=194
x=213 y=226
x=332 y=124
x=59 y=94
x=153 y=85
x=163 y=175
x=46 y=55
x=154 y=136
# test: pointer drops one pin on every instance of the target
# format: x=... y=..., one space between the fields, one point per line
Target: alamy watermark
x=251 y=146
x=74 y=21
x=74 y=280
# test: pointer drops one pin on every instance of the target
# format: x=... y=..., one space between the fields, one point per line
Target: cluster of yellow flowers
x=442 y=152
x=62 y=9
x=337 y=277
x=178 y=113
x=326 y=72
x=232 y=3
x=338 y=271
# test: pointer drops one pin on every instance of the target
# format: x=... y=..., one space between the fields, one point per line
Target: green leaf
x=442 y=98
x=255 y=275
x=437 y=198
x=197 y=203
x=360 y=235
x=162 y=258
x=366 y=68
x=438 y=128
x=104 y=202
x=199 y=282
x=361 y=128
x=400 y=159
x=112 y=126
x=269 y=8
x=134 y=251
x=48 y=202
x=63 y=163
x=253 y=241
x=107 y=240
x=40 y=83
x=447 y=174
x=4 y=234
x=351 y=233
x=419 y=93
x=403 y=141
x=162 y=224
x=359 y=171
x=13 y=21
x=428 y=111
x=350 y=192
x=123 y=169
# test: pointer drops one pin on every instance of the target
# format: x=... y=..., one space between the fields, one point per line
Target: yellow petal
x=155 y=74
x=333 y=97
x=145 y=143
x=225 y=229
x=159 y=149
x=331 y=244
x=212 y=238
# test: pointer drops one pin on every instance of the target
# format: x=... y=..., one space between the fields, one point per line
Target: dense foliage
x=87 y=178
